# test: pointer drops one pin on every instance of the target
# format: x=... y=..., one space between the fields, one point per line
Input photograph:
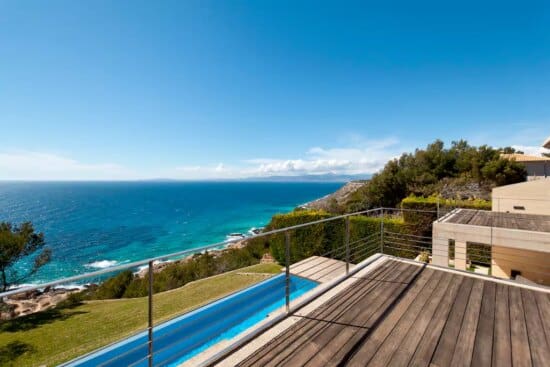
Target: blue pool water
x=182 y=338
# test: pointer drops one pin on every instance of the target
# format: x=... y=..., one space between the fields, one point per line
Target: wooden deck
x=401 y=314
x=527 y=222
x=319 y=269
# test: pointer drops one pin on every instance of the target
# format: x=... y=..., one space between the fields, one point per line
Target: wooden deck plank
x=540 y=354
x=312 y=352
x=318 y=324
x=521 y=353
x=543 y=304
x=324 y=270
x=286 y=343
x=401 y=314
x=383 y=354
x=447 y=341
x=316 y=268
x=465 y=343
x=528 y=222
x=354 y=338
x=483 y=344
x=415 y=334
x=502 y=355
x=427 y=346
x=424 y=285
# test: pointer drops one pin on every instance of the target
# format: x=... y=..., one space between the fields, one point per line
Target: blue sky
x=205 y=89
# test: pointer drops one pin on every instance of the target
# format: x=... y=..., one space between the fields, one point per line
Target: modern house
x=362 y=304
x=537 y=167
x=518 y=245
x=531 y=197
x=515 y=234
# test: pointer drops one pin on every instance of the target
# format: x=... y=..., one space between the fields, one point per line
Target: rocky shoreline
x=26 y=303
x=30 y=302
x=160 y=266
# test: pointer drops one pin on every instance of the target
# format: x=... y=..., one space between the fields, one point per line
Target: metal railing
x=353 y=241
x=353 y=249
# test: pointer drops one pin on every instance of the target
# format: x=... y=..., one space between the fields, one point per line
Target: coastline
x=46 y=298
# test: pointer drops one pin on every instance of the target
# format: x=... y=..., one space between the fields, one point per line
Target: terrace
x=352 y=292
x=399 y=313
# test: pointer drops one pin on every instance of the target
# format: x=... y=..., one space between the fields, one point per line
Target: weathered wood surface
x=407 y=315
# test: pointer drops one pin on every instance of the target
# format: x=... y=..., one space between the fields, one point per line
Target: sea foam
x=102 y=264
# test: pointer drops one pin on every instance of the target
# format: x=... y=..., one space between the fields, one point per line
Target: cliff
x=337 y=199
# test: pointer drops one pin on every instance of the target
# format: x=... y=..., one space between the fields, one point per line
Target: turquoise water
x=92 y=225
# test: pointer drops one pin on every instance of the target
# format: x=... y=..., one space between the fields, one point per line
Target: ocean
x=93 y=225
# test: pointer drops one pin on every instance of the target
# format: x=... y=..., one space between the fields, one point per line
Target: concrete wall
x=508 y=245
x=533 y=196
x=533 y=265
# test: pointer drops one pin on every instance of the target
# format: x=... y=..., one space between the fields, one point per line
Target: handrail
x=176 y=254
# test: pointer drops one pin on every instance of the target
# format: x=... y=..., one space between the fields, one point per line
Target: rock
x=267 y=259
x=337 y=198
x=461 y=190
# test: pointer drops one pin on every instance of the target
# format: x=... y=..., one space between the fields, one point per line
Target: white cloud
x=531 y=150
x=362 y=157
x=25 y=165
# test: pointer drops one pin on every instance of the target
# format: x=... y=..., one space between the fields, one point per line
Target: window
x=451 y=243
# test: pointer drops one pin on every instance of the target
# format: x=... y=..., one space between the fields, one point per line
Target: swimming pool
x=179 y=339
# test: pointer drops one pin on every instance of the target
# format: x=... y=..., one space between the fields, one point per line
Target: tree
x=510 y=150
x=425 y=171
x=17 y=242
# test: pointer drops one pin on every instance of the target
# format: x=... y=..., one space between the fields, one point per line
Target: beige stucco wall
x=534 y=196
x=508 y=244
x=533 y=265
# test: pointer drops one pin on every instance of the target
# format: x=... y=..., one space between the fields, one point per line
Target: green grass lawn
x=58 y=335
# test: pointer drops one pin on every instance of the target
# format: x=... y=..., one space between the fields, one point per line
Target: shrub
x=427 y=210
x=177 y=274
x=327 y=238
x=421 y=172
x=114 y=287
x=424 y=257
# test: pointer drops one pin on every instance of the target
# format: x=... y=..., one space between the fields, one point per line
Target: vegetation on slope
x=129 y=285
x=65 y=332
x=424 y=172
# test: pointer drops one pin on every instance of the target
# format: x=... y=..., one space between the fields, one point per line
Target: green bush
x=328 y=238
x=114 y=287
x=177 y=274
x=426 y=208
x=422 y=172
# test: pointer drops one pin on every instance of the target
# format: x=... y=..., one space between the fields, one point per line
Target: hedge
x=423 y=220
x=328 y=238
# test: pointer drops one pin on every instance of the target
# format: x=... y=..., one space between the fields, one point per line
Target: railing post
x=150 y=321
x=287 y=278
x=382 y=233
x=438 y=208
x=347 y=245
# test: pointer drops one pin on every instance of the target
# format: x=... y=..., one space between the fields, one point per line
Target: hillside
x=460 y=171
x=333 y=202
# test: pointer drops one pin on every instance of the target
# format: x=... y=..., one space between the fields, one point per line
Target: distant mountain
x=329 y=177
